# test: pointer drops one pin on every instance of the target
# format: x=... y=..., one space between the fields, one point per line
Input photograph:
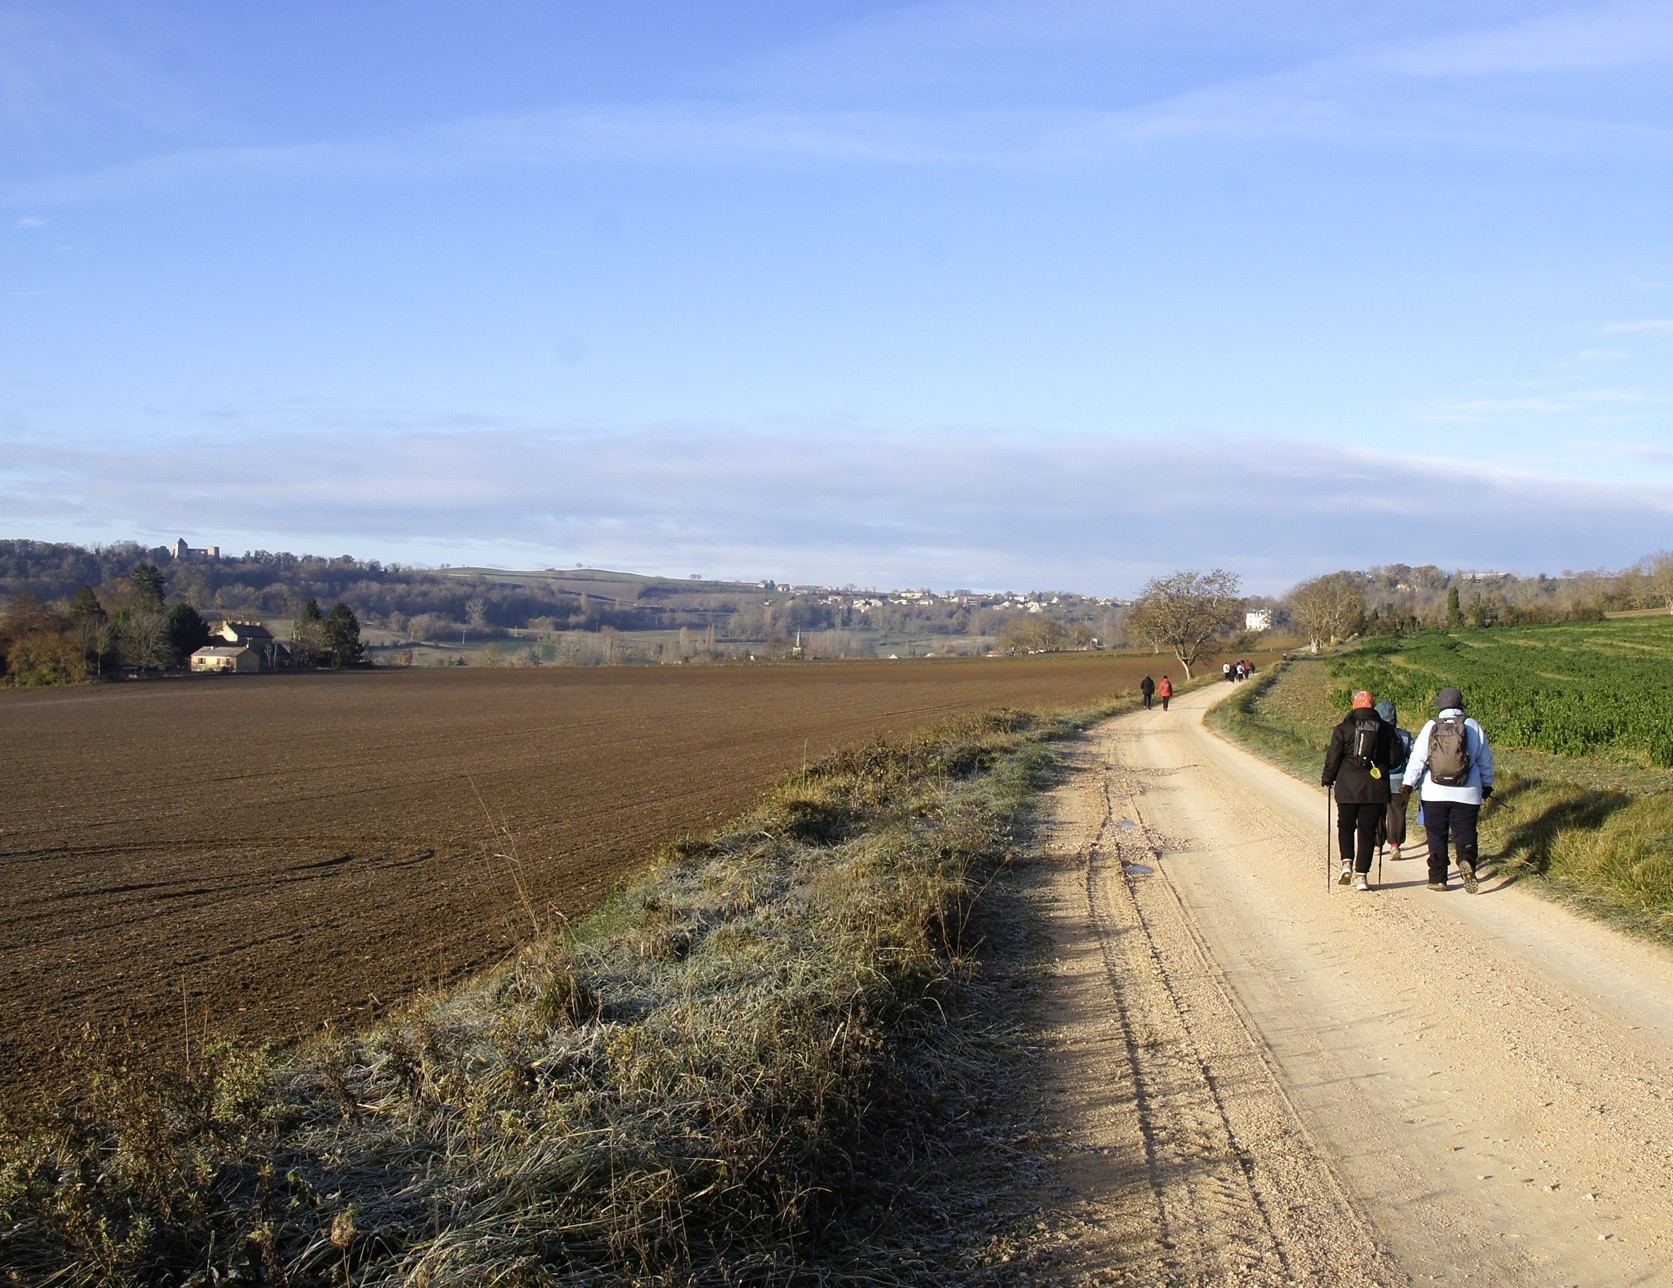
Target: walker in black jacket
x=1363 y=749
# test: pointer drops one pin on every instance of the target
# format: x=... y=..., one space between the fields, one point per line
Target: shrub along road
x=1259 y=1078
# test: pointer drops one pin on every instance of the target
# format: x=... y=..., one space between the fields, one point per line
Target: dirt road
x=1257 y=1078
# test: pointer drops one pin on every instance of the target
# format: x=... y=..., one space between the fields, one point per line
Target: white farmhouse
x=231 y=658
x=270 y=654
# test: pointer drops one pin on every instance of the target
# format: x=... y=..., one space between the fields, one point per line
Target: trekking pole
x=1327 y=854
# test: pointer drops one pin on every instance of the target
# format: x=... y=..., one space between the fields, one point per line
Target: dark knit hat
x=1449 y=698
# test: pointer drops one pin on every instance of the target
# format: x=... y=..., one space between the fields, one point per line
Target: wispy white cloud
x=980 y=41
x=812 y=106
x=1644 y=326
x=30 y=221
x=964 y=507
x=1592 y=38
x=1564 y=403
x=672 y=133
x=1655 y=453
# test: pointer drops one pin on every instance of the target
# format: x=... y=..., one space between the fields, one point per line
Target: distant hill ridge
x=428 y=602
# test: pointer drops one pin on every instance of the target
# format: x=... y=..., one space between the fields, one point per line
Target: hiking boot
x=1466 y=869
x=1347 y=875
x=1362 y=882
x=1437 y=885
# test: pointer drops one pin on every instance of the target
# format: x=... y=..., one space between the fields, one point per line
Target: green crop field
x=1581 y=716
x=1591 y=689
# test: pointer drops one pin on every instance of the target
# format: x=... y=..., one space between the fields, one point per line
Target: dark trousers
x=1356 y=831
x=1147 y=702
x=1394 y=826
x=1444 y=820
x=1165 y=699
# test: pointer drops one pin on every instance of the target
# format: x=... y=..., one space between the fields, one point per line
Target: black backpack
x=1364 y=744
x=1449 y=752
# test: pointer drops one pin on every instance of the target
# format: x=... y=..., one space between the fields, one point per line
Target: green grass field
x=1580 y=716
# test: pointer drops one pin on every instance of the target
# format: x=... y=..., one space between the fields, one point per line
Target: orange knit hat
x=1363 y=700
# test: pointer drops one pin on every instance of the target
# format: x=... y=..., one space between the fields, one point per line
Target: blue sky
x=977 y=294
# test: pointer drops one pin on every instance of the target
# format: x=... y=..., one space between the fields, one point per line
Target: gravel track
x=1259 y=1078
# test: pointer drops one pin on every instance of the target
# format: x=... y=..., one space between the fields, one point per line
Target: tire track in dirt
x=1233 y=1190
x=1419 y=1087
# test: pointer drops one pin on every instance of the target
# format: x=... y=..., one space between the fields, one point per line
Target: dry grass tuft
x=735 y=1072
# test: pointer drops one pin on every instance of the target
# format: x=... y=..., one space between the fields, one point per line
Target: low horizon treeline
x=430 y=606
x=70 y=614
x=1398 y=599
x=129 y=625
x=271 y=585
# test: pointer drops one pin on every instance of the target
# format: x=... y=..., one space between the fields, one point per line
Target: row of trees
x=432 y=605
x=1399 y=597
x=1037 y=633
x=330 y=639
x=76 y=639
x=1339 y=605
x=134 y=625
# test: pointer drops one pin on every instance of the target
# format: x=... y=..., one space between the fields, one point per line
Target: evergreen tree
x=85 y=606
x=1454 y=610
x=342 y=633
x=147 y=582
x=187 y=631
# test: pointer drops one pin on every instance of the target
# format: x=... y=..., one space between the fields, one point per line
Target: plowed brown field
x=263 y=855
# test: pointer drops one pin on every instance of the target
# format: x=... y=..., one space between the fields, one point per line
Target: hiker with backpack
x=1147 y=687
x=1452 y=768
x=1394 y=826
x=1357 y=764
x=1164 y=690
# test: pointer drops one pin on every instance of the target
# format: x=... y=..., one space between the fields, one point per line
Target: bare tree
x=1658 y=576
x=308 y=640
x=1032 y=634
x=142 y=640
x=1328 y=608
x=1188 y=612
